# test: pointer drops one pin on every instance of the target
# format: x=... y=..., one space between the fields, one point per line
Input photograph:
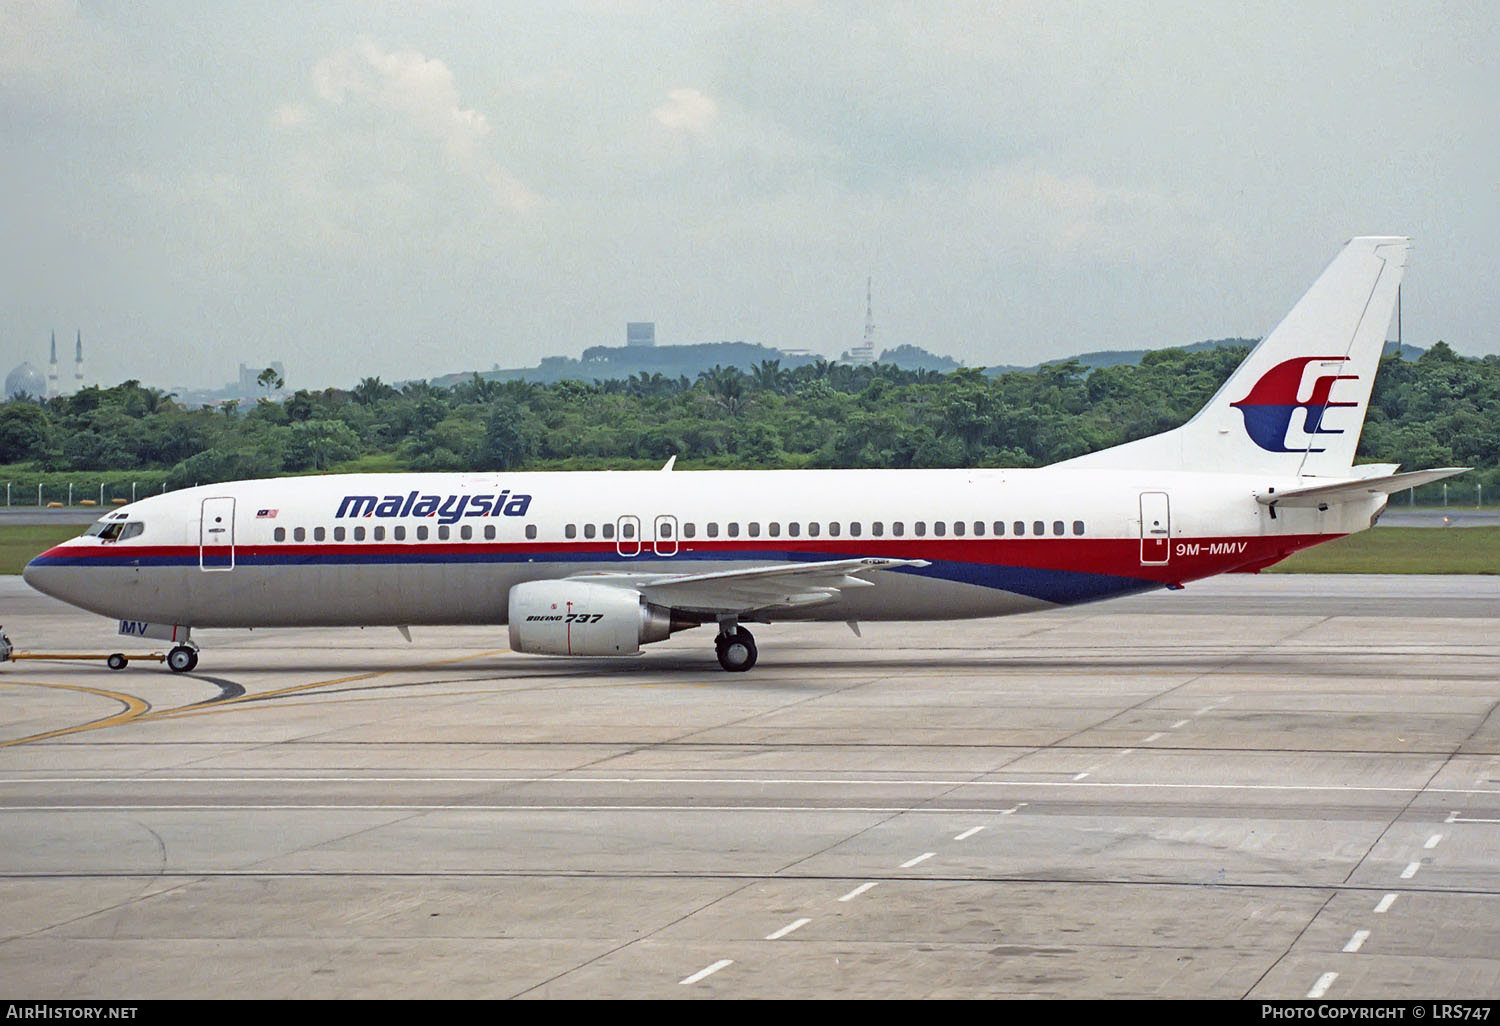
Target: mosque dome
x=27 y=379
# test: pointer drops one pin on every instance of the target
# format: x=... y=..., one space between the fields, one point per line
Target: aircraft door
x=628 y=536
x=664 y=542
x=216 y=535
x=1156 y=529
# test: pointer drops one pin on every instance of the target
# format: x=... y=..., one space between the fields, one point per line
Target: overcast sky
x=406 y=189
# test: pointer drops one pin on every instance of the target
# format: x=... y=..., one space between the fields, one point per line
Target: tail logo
x=1272 y=401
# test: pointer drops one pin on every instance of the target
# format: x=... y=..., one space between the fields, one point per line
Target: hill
x=619 y=363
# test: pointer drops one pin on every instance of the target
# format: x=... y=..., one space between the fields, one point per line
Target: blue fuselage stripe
x=1056 y=585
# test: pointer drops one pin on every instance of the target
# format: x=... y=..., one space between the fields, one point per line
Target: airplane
x=602 y=563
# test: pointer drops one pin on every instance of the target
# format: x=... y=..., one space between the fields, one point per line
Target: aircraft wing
x=725 y=591
x=1324 y=495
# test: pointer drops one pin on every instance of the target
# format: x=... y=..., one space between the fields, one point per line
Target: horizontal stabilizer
x=1348 y=491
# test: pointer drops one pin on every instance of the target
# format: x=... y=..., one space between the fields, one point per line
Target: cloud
x=374 y=111
x=1074 y=217
x=406 y=84
x=688 y=110
x=53 y=56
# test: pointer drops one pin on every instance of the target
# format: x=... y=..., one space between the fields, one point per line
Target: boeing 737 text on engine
x=604 y=563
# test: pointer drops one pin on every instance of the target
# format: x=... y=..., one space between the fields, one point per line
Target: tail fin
x=1296 y=405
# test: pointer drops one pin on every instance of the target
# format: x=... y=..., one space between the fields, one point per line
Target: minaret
x=52 y=382
x=78 y=363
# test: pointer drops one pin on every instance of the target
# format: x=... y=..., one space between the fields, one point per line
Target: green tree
x=25 y=432
x=319 y=444
x=504 y=446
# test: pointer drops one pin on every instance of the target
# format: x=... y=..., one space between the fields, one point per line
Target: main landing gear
x=735 y=648
x=182 y=658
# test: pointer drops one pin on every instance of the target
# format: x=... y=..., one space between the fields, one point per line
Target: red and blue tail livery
x=1273 y=402
x=613 y=561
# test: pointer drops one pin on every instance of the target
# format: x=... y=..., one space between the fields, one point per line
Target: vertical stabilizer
x=1297 y=403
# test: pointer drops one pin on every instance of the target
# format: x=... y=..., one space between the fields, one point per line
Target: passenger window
x=664 y=530
x=1018 y=528
x=978 y=528
x=939 y=528
x=627 y=530
x=920 y=528
x=999 y=526
x=489 y=532
x=854 y=529
x=734 y=530
x=774 y=529
x=319 y=534
x=589 y=530
x=877 y=528
x=279 y=534
x=442 y=532
x=1038 y=527
x=833 y=528
x=571 y=530
x=1057 y=527
x=754 y=529
x=812 y=529
x=794 y=529
x=421 y=532
x=398 y=532
x=689 y=530
x=359 y=534
x=958 y=528
x=713 y=529
x=608 y=530
x=1078 y=527
x=466 y=532
x=299 y=534
x=531 y=530
x=338 y=534
x=898 y=529
x=379 y=533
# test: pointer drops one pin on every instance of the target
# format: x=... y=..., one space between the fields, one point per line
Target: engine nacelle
x=582 y=619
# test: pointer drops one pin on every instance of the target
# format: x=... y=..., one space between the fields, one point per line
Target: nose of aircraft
x=45 y=575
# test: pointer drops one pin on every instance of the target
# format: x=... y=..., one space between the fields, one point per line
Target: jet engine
x=582 y=619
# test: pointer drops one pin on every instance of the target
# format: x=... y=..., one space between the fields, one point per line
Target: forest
x=1442 y=409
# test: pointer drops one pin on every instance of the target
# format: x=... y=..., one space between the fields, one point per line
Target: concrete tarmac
x=1259 y=787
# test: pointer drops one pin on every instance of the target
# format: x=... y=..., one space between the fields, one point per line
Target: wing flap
x=779 y=585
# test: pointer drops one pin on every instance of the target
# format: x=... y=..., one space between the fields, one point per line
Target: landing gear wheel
x=182 y=659
x=736 y=651
x=117 y=661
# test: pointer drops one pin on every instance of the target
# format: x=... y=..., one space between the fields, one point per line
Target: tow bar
x=114 y=660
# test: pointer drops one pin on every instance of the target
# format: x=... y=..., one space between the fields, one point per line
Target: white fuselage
x=404 y=549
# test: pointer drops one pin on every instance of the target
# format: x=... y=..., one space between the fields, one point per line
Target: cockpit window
x=116 y=530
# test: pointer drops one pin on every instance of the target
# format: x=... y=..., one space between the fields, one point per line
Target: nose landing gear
x=182 y=658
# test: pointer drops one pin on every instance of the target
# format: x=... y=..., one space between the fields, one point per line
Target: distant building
x=640 y=333
x=249 y=382
x=34 y=383
x=25 y=380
